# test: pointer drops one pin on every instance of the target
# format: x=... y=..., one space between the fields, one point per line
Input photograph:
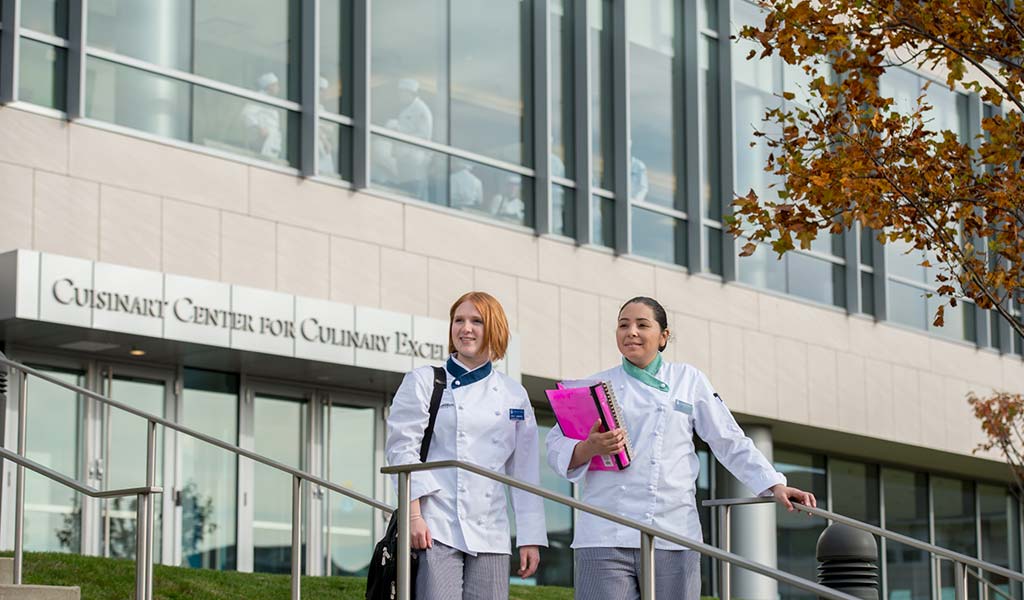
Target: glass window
x=601 y=93
x=561 y=86
x=423 y=174
x=815 y=279
x=349 y=539
x=53 y=513
x=563 y=211
x=707 y=14
x=45 y=16
x=334 y=148
x=242 y=126
x=908 y=305
x=156 y=31
x=707 y=525
x=602 y=221
x=798 y=534
x=209 y=474
x=906 y=512
x=763 y=269
x=710 y=193
x=279 y=435
x=558 y=557
x=491 y=192
x=855 y=490
x=954 y=524
x=867 y=293
x=336 y=56
x=42 y=74
x=1000 y=533
x=655 y=127
x=138 y=99
x=659 y=236
x=126 y=462
x=712 y=254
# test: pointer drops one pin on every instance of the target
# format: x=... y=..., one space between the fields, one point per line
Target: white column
x=753 y=527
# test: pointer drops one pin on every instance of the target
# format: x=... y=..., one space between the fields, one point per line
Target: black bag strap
x=440 y=382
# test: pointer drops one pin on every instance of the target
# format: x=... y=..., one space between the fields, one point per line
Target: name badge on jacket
x=684 y=407
x=516 y=414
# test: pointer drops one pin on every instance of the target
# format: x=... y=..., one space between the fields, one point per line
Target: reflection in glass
x=904 y=261
x=763 y=269
x=334 y=148
x=958 y=321
x=278 y=434
x=1000 y=532
x=654 y=123
x=156 y=31
x=602 y=221
x=336 y=56
x=712 y=254
x=126 y=462
x=867 y=246
x=242 y=126
x=411 y=171
x=705 y=459
x=659 y=236
x=707 y=14
x=409 y=81
x=906 y=512
x=561 y=86
x=601 y=106
x=798 y=534
x=249 y=43
x=45 y=16
x=491 y=192
x=347 y=525
x=954 y=525
x=489 y=78
x=859 y=483
x=563 y=211
x=867 y=293
x=815 y=279
x=558 y=556
x=42 y=74
x=138 y=99
x=908 y=305
x=707 y=82
x=209 y=474
x=53 y=513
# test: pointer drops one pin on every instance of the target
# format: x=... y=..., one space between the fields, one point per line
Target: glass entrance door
x=123 y=456
x=350 y=432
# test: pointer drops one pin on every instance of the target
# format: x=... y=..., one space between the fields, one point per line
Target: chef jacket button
x=479 y=521
x=457 y=382
x=651 y=487
x=495 y=388
x=661 y=409
x=462 y=434
x=461 y=407
x=496 y=440
x=497 y=413
x=654 y=461
x=648 y=515
x=622 y=487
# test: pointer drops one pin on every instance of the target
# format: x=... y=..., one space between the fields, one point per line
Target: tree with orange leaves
x=852 y=157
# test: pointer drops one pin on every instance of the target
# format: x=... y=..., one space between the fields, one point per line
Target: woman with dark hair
x=662 y=405
x=459 y=520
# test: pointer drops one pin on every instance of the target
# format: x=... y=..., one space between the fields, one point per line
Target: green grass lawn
x=112 y=579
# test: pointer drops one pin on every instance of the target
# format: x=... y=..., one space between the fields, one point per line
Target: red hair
x=496 y=331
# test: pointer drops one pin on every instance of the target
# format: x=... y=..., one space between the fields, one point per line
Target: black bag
x=383 y=575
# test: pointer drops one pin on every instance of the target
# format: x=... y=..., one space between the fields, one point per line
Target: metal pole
x=646 y=566
x=140 y=546
x=296 y=537
x=150 y=503
x=959 y=581
x=725 y=593
x=404 y=546
x=19 y=497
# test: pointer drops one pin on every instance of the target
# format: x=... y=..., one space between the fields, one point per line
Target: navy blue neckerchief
x=464 y=377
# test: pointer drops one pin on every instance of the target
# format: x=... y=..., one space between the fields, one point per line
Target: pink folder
x=578 y=405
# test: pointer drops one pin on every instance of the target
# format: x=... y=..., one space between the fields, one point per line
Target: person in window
x=467 y=191
x=263 y=122
x=459 y=520
x=662 y=405
x=415 y=119
x=325 y=135
x=507 y=204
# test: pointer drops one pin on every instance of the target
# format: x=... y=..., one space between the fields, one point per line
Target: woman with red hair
x=458 y=520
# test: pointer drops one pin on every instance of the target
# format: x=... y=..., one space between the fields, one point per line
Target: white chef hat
x=266 y=80
x=408 y=84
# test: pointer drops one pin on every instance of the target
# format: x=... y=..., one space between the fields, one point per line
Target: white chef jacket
x=261 y=116
x=659 y=485
x=485 y=418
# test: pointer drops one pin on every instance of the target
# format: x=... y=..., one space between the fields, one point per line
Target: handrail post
x=140 y=546
x=19 y=494
x=647 y=590
x=150 y=503
x=959 y=581
x=296 y=537
x=724 y=570
x=404 y=543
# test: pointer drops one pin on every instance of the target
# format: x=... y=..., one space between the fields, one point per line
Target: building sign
x=72 y=291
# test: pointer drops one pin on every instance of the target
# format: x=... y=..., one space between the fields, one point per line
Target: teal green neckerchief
x=646 y=374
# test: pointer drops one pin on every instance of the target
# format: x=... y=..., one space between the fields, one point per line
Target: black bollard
x=848 y=561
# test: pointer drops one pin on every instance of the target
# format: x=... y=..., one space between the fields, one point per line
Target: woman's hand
x=598 y=443
x=784 y=495
x=529 y=560
x=419 y=533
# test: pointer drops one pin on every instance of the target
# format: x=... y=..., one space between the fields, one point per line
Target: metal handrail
x=647 y=532
x=145 y=515
x=74 y=484
x=988 y=585
x=960 y=561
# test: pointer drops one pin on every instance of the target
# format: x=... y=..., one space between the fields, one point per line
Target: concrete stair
x=9 y=591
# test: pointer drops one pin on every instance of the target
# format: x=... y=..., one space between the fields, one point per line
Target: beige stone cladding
x=85 y=191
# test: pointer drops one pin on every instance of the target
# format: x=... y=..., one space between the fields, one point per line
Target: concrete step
x=6 y=570
x=39 y=592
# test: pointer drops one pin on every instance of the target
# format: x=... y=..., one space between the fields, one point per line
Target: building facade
x=252 y=217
